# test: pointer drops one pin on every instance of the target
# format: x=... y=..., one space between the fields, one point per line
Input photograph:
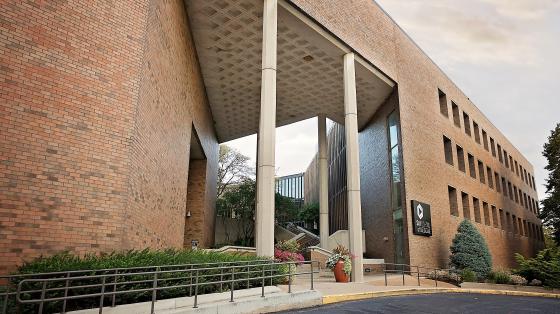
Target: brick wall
x=96 y=110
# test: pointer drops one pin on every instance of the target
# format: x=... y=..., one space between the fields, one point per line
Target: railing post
x=402 y=271
x=221 y=277
x=196 y=291
x=232 y=283
x=154 y=291
x=65 y=293
x=385 y=272
x=248 y=275
x=312 y=275
x=262 y=293
x=418 y=273
x=289 y=277
x=114 y=288
x=5 y=305
x=436 y=275
x=43 y=292
x=190 y=285
x=102 y=298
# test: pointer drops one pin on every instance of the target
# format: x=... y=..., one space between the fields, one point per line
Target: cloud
x=524 y=9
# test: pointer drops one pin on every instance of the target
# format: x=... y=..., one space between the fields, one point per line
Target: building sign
x=422 y=223
x=194 y=244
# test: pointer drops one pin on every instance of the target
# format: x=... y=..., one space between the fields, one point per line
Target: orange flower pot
x=339 y=273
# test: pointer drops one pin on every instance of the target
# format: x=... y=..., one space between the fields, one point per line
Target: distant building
x=291 y=186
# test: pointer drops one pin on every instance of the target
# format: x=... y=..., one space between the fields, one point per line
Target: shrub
x=469 y=250
x=545 y=267
x=517 y=280
x=468 y=275
x=445 y=275
x=535 y=282
x=289 y=246
x=67 y=262
x=500 y=277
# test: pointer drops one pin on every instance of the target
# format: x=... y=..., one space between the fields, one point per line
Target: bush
x=535 y=282
x=517 y=280
x=445 y=275
x=500 y=277
x=469 y=250
x=68 y=262
x=291 y=246
x=468 y=275
x=545 y=267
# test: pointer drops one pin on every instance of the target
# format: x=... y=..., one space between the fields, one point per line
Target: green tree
x=309 y=213
x=550 y=213
x=233 y=169
x=469 y=250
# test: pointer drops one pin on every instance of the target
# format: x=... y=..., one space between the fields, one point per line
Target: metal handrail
x=411 y=272
x=228 y=274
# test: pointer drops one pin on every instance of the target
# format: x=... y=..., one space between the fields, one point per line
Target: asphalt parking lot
x=442 y=303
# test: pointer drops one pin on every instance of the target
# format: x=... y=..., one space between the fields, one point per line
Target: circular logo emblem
x=420 y=211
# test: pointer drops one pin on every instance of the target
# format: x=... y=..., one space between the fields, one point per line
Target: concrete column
x=323 y=182
x=353 y=168
x=264 y=225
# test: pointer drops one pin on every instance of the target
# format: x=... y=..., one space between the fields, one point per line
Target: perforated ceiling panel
x=228 y=39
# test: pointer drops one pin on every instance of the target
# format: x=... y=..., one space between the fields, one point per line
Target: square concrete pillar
x=323 y=182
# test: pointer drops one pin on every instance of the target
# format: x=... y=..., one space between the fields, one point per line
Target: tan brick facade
x=372 y=33
x=96 y=110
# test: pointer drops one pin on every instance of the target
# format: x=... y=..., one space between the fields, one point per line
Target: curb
x=328 y=299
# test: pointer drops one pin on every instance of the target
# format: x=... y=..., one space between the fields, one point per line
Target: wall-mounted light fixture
x=188 y=213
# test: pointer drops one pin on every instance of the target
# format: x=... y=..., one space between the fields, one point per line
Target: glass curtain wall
x=396 y=186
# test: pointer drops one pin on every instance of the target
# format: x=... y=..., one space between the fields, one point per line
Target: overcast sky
x=503 y=54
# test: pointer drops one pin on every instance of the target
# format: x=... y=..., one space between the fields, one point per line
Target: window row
x=483 y=213
x=481 y=137
x=477 y=170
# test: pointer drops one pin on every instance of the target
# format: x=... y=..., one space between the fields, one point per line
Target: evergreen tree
x=550 y=213
x=469 y=250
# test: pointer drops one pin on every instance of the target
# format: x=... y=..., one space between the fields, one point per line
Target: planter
x=339 y=273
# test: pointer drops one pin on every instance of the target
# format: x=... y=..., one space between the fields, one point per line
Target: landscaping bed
x=494 y=286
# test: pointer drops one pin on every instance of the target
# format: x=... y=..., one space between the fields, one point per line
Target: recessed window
x=467 y=123
x=533 y=180
x=489 y=176
x=472 y=170
x=456 y=118
x=497 y=181
x=493 y=147
x=504 y=186
x=510 y=190
x=515 y=194
x=503 y=221
x=453 y=207
x=448 y=150
x=443 y=103
x=514 y=224
x=461 y=158
x=525 y=175
x=481 y=172
x=476 y=131
x=466 y=205
x=516 y=168
x=508 y=222
x=485 y=139
x=500 y=157
x=495 y=221
x=506 y=159
x=511 y=163
x=476 y=207
x=486 y=211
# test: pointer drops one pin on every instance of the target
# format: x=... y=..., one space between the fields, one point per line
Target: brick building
x=111 y=114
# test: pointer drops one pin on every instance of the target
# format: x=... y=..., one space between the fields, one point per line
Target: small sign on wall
x=422 y=222
x=194 y=244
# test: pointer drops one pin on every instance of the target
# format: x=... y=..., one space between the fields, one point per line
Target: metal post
x=190 y=285
x=5 y=305
x=232 y=283
x=262 y=294
x=402 y=271
x=289 y=277
x=154 y=292
x=312 y=275
x=196 y=291
x=418 y=273
x=248 y=275
x=385 y=272
x=221 y=277
x=102 y=298
x=114 y=289
x=43 y=292
x=436 y=276
x=65 y=293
